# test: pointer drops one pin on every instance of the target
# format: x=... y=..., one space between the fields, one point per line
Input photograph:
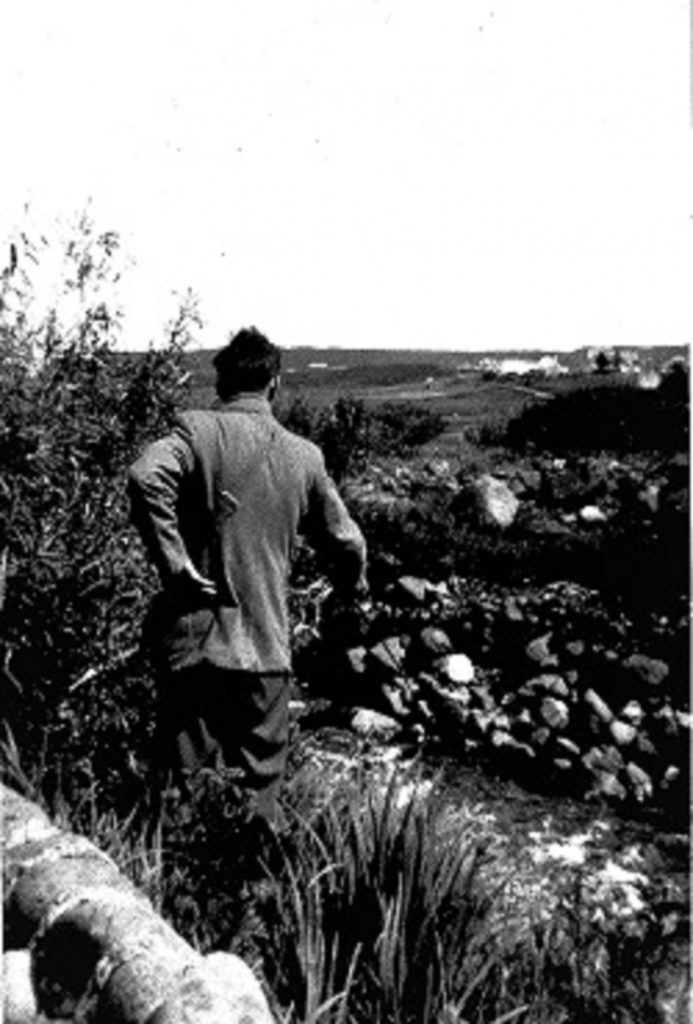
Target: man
x=220 y=503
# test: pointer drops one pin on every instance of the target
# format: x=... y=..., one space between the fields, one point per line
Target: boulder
x=435 y=641
x=356 y=660
x=548 y=683
x=633 y=713
x=650 y=672
x=413 y=589
x=591 y=515
x=639 y=780
x=538 y=651
x=555 y=713
x=94 y=947
x=457 y=668
x=512 y=610
x=607 y=784
x=374 y=725
x=600 y=708
x=387 y=656
x=622 y=733
x=495 y=501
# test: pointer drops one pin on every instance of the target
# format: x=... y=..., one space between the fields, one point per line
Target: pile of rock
x=543 y=684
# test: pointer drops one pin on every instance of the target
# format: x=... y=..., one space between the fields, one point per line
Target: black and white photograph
x=345 y=572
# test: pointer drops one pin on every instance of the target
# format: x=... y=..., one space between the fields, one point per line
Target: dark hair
x=248 y=363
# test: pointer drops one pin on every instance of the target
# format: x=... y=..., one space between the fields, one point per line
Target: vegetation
x=616 y=417
x=351 y=434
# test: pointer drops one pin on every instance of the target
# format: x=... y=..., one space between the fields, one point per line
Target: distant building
x=546 y=366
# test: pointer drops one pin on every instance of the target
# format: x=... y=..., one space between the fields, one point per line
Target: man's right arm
x=153 y=485
x=333 y=532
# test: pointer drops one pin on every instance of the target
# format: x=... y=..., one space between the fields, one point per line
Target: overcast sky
x=454 y=174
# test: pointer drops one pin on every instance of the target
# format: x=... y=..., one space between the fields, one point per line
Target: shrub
x=350 y=433
x=73 y=413
x=605 y=417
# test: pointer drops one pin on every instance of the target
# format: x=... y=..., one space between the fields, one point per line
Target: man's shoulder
x=302 y=446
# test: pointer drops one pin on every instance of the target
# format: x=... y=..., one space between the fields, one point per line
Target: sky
x=455 y=174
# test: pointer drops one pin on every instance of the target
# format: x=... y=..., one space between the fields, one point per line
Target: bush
x=604 y=417
x=350 y=434
x=73 y=414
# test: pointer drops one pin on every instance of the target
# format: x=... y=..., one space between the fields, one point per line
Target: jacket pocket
x=190 y=631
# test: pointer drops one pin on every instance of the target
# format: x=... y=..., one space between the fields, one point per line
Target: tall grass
x=372 y=908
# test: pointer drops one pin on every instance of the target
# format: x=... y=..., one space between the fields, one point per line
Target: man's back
x=233 y=489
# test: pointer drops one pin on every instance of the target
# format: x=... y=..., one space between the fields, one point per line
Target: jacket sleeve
x=331 y=530
x=154 y=482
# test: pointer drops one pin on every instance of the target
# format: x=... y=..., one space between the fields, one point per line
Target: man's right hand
x=191 y=581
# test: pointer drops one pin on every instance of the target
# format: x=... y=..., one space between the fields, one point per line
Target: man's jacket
x=231 y=490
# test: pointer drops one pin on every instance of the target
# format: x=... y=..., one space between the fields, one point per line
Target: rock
x=575 y=648
x=639 y=780
x=622 y=733
x=529 y=480
x=449 y=709
x=395 y=699
x=512 y=610
x=482 y=720
x=99 y=951
x=374 y=725
x=649 y=497
x=671 y=775
x=457 y=668
x=413 y=588
x=591 y=515
x=555 y=713
x=541 y=736
x=495 y=500
x=566 y=744
x=435 y=641
x=19 y=1005
x=563 y=764
x=523 y=724
x=665 y=724
x=549 y=682
x=606 y=759
x=648 y=671
x=606 y=784
x=356 y=660
x=388 y=655
x=645 y=746
x=537 y=650
x=501 y=739
x=600 y=708
x=632 y=713
x=482 y=696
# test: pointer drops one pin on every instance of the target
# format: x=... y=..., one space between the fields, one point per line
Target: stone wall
x=82 y=944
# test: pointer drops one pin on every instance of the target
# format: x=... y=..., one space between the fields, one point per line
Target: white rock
x=19 y=1000
x=232 y=980
x=592 y=514
x=458 y=668
x=367 y=722
x=497 y=503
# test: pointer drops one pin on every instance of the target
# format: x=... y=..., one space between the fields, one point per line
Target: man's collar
x=247 y=401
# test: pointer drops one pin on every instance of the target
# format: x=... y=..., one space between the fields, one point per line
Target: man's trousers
x=219 y=718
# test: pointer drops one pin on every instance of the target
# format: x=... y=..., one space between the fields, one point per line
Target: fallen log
x=83 y=944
